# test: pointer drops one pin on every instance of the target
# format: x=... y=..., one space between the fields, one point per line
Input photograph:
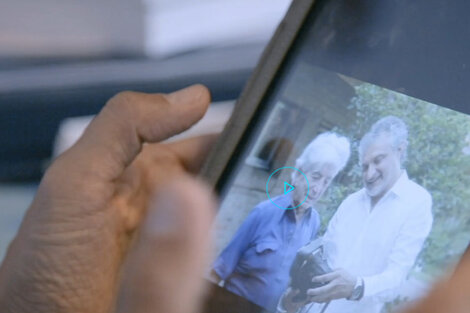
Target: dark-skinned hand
x=76 y=236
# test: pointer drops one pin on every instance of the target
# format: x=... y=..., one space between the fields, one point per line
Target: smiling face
x=319 y=178
x=380 y=166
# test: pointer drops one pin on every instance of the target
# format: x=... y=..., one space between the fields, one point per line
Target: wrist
x=358 y=290
x=282 y=308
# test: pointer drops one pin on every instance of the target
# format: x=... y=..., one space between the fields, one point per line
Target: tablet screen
x=350 y=193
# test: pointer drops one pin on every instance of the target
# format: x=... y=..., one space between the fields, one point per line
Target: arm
x=286 y=303
x=225 y=264
x=407 y=246
x=338 y=283
x=330 y=236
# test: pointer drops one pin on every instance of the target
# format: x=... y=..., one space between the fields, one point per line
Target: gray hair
x=326 y=148
x=391 y=126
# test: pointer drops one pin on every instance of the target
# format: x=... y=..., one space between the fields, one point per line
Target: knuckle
x=123 y=97
x=160 y=101
x=138 y=104
x=122 y=102
x=128 y=106
x=160 y=98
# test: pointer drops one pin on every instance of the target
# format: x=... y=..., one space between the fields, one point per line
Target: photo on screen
x=386 y=201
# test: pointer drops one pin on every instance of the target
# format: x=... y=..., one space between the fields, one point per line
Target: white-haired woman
x=255 y=264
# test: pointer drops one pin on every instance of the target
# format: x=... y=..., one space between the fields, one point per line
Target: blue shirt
x=256 y=263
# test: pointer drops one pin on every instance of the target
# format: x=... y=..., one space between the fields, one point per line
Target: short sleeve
x=228 y=259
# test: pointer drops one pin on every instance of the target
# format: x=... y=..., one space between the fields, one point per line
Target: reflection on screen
x=370 y=210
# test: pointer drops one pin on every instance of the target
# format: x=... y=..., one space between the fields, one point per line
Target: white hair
x=391 y=126
x=326 y=148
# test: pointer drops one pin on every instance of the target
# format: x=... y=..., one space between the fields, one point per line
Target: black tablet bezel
x=248 y=107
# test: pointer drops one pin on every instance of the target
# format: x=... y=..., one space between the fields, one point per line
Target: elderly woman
x=255 y=264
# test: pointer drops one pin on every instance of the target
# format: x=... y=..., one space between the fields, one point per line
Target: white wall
x=177 y=25
x=58 y=27
x=157 y=27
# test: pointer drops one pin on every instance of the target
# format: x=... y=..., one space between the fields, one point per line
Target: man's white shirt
x=380 y=244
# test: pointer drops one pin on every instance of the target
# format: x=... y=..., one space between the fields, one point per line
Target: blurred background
x=61 y=60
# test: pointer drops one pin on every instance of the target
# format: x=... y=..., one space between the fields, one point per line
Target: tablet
x=343 y=173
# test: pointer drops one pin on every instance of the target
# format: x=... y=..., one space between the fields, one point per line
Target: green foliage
x=393 y=306
x=436 y=161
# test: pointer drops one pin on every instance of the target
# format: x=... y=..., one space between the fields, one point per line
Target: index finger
x=325 y=278
x=319 y=291
x=115 y=136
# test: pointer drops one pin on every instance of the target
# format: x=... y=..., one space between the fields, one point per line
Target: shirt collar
x=290 y=210
x=400 y=187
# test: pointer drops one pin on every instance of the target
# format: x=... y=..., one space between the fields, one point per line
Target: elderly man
x=375 y=235
x=255 y=264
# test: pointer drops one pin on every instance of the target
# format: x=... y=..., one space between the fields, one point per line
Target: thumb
x=164 y=270
x=116 y=135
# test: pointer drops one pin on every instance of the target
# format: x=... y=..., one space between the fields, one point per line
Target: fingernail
x=163 y=218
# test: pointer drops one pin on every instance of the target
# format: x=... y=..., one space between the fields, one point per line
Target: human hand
x=75 y=237
x=339 y=284
x=449 y=295
x=288 y=303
